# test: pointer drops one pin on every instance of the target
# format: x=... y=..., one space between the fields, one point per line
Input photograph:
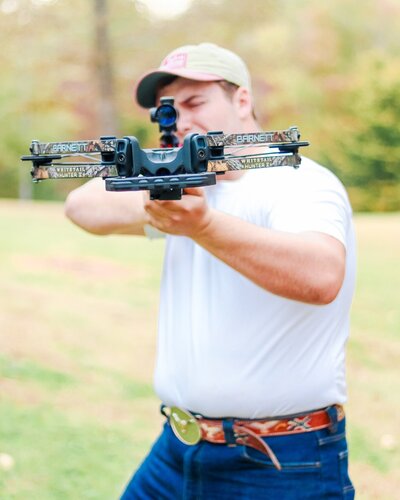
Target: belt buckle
x=184 y=425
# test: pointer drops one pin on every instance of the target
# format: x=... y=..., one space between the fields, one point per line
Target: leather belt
x=190 y=428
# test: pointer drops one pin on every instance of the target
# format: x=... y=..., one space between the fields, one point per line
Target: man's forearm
x=307 y=267
x=101 y=212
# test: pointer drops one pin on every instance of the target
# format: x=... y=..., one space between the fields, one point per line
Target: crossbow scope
x=166 y=115
x=168 y=170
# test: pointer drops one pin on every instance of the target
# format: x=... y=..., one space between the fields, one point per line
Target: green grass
x=78 y=317
x=26 y=371
x=373 y=359
x=60 y=457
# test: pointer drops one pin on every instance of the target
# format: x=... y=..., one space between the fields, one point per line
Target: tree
x=104 y=70
x=367 y=137
x=314 y=64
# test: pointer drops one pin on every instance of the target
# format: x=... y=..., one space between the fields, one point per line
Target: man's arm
x=307 y=267
x=103 y=212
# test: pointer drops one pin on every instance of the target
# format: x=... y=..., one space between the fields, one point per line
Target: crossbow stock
x=166 y=171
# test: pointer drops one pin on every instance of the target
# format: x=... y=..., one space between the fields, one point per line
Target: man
x=254 y=314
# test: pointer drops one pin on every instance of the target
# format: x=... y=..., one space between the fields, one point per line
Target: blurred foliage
x=367 y=155
x=332 y=68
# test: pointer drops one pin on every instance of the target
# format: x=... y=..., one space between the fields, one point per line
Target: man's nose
x=183 y=124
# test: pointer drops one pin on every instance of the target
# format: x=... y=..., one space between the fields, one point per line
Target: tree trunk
x=107 y=123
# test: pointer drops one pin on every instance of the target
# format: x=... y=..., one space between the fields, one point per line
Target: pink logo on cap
x=175 y=61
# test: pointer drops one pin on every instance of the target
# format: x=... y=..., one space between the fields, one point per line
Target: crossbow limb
x=165 y=172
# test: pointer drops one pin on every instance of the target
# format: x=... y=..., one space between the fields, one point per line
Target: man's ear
x=243 y=103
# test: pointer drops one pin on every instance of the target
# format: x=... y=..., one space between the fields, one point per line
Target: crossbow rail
x=165 y=172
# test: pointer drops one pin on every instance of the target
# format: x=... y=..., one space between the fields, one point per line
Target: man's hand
x=186 y=217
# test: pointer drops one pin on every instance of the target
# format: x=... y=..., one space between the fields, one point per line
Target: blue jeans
x=314 y=466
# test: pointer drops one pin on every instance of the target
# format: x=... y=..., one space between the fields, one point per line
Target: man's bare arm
x=307 y=267
x=102 y=212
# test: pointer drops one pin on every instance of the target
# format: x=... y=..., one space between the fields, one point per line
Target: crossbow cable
x=164 y=172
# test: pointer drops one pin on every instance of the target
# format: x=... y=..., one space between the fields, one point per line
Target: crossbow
x=168 y=170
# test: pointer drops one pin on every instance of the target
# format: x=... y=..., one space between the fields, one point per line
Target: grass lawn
x=78 y=317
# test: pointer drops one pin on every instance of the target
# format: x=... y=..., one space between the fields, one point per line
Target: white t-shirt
x=227 y=347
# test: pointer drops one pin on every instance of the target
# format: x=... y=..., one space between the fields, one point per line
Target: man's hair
x=229 y=89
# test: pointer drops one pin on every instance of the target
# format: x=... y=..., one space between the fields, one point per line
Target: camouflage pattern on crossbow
x=168 y=170
x=164 y=171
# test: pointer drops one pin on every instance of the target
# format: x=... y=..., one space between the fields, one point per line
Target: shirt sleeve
x=316 y=203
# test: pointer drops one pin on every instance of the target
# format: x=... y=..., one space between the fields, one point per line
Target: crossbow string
x=165 y=171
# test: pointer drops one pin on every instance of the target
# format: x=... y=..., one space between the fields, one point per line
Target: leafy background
x=78 y=313
x=332 y=68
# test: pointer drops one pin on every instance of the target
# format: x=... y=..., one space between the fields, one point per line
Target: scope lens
x=166 y=115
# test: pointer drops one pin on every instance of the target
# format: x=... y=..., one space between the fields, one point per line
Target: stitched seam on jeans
x=347 y=486
x=311 y=465
x=287 y=466
x=331 y=439
x=304 y=467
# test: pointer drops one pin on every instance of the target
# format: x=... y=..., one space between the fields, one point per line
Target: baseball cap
x=205 y=62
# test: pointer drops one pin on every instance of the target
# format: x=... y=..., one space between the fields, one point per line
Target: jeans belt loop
x=230 y=437
x=332 y=412
x=163 y=407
